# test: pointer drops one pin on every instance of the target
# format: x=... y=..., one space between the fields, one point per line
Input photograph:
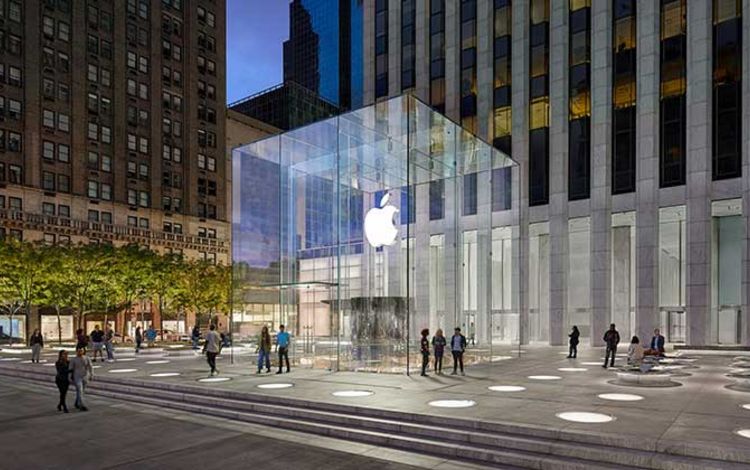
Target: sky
x=256 y=31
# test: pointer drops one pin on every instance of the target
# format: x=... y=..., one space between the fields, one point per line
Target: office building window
x=437 y=55
x=539 y=103
x=437 y=199
x=468 y=104
x=579 y=88
x=623 y=96
x=727 y=89
x=470 y=194
x=381 y=48
x=673 y=88
x=502 y=116
x=408 y=44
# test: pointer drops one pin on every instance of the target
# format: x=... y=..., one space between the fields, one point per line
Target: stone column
x=368 y=52
x=452 y=60
x=485 y=68
x=394 y=47
x=745 y=333
x=520 y=153
x=422 y=50
x=558 y=173
x=647 y=171
x=601 y=155
x=699 y=154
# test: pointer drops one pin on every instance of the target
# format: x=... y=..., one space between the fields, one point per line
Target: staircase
x=489 y=444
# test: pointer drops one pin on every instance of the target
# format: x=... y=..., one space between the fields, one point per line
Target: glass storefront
x=359 y=231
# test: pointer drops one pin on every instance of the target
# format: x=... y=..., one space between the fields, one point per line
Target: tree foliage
x=103 y=279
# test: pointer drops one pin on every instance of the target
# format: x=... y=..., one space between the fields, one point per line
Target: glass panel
x=623 y=273
x=579 y=275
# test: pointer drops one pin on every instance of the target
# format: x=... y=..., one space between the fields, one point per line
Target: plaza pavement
x=701 y=413
x=119 y=435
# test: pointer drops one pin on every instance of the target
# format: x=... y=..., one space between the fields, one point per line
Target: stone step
x=301 y=415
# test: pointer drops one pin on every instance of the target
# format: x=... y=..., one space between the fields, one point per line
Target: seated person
x=635 y=351
x=657 y=344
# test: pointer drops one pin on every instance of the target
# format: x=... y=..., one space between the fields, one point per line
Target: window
x=15 y=76
x=727 y=89
x=106 y=135
x=48 y=118
x=579 y=101
x=672 y=136
x=132 y=142
x=48 y=208
x=132 y=60
x=93 y=73
x=143 y=64
x=143 y=144
x=48 y=27
x=437 y=199
x=470 y=194
x=93 y=131
x=63 y=153
x=48 y=181
x=381 y=48
x=63 y=210
x=106 y=192
x=132 y=198
x=143 y=170
x=623 y=96
x=14 y=11
x=63 y=183
x=63 y=122
x=539 y=103
x=63 y=92
x=106 y=217
x=92 y=189
x=63 y=62
x=106 y=163
x=63 y=31
x=93 y=216
x=15 y=142
x=106 y=77
x=502 y=118
x=143 y=199
x=132 y=169
x=143 y=91
x=48 y=150
x=48 y=88
x=132 y=221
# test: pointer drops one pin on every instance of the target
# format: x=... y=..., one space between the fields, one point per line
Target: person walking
x=458 y=346
x=424 y=348
x=611 y=339
x=195 y=336
x=438 y=347
x=109 y=345
x=82 y=342
x=282 y=346
x=138 y=339
x=212 y=348
x=81 y=372
x=573 y=342
x=264 y=349
x=37 y=343
x=150 y=336
x=97 y=340
x=62 y=379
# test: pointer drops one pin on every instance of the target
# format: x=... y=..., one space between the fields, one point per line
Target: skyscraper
x=324 y=50
x=113 y=122
x=629 y=121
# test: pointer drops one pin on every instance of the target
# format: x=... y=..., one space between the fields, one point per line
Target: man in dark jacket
x=458 y=346
x=657 y=342
x=611 y=339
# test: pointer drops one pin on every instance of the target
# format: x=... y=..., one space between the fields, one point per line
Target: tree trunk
x=59 y=325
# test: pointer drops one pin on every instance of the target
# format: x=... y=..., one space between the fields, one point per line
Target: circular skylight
x=747 y=406
x=452 y=403
x=591 y=363
x=122 y=371
x=352 y=393
x=126 y=359
x=744 y=433
x=163 y=361
x=275 y=386
x=544 y=377
x=165 y=374
x=6 y=359
x=501 y=358
x=572 y=369
x=507 y=388
x=585 y=417
x=620 y=397
x=214 y=379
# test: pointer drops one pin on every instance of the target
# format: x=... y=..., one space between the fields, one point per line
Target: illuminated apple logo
x=379 y=227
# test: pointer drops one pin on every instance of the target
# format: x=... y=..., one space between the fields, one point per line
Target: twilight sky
x=256 y=30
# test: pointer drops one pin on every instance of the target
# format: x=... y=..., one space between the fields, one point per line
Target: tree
x=93 y=264
x=59 y=265
x=21 y=269
x=134 y=274
x=165 y=274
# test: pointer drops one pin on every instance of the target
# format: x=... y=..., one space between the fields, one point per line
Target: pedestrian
x=150 y=336
x=97 y=340
x=657 y=343
x=282 y=346
x=458 y=346
x=37 y=343
x=138 y=339
x=212 y=347
x=109 y=345
x=195 y=336
x=62 y=379
x=264 y=349
x=635 y=352
x=81 y=372
x=424 y=348
x=82 y=342
x=438 y=347
x=573 y=342
x=611 y=339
